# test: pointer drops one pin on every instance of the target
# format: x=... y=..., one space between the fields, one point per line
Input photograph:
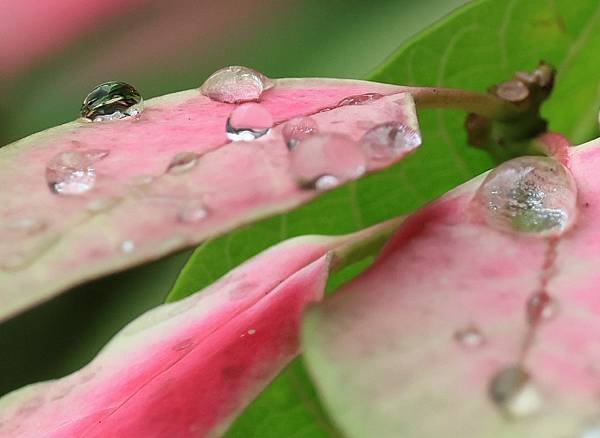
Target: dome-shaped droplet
x=469 y=337
x=389 y=141
x=236 y=84
x=112 y=101
x=192 y=212
x=70 y=173
x=540 y=307
x=326 y=160
x=360 y=99
x=298 y=129
x=127 y=246
x=248 y=122
x=513 y=391
x=529 y=195
x=182 y=162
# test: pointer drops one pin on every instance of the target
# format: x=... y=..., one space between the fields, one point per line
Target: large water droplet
x=389 y=141
x=70 y=173
x=192 y=212
x=298 y=129
x=326 y=160
x=529 y=195
x=360 y=99
x=514 y=393
x=248 y=122
x=112 y=101
x=540 y=307
x=236 y=84
x=182 y=162
x=469 y=337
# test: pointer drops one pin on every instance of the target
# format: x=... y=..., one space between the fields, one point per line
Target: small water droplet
x=251 y=331
x=529 y=195
x=540 y=307
x=389 y=141
x=101 y=204
x=27 y=225
x=236 y=84
x=324 y=161
x=182 y=162
x=112 y=101
x=192 y=212
x=298 y=129
x=248 y=122
x=127 y=246
x=13 y=261
x=183 y=345
x=96 y=154
x=469 y=337
x=142 y=180
x=360 y=99
x=70 y=173
x=514 y=393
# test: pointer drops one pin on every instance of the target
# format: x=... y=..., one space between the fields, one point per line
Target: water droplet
x=127 y=246
x=26 y=225
x=248 y=122
x=192 y=212
x=236 y=84
x=96 y=154
x=142 y=180
x=183 y=345
x=469 y=337
x=360 y=99
x=102 y=204
x=323 y=161
x=529 y=195
x=389 y=141
x=298 y=129
x=70 y=173
x=514 y=392
x=251 y=331
x=13 y=261
x=182 y=162
x=540 y=307
x=112 y=101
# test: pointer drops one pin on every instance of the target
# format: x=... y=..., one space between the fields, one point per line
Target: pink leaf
x=167 y=180
x=480 y=318
x=187 y=368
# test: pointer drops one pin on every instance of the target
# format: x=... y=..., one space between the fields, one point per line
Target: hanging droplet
x=360 y=99
x=70 y=173
x=236 y=84
x=514 y=393
x=540 y=307
x=529 y=195
x=127 y=246
x=112 y=101
x=248 y=122
x=192 y=212
x=389 y=141
x=323 y=161
x=182 y=162
x=469 y=337
x=96 y=154
x=298 y=129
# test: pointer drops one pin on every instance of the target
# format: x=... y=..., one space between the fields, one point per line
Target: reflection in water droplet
x=540 y=307
x=192 y=212
x=360 y=99
x=236 y=84
x=70 y=173
x=112 y=101
x=298 y=129
x=183 y=345
x=326 y=160
x=389 y=141
x=514 y=393
x=529 y=195
x=469 y=337
x=127 y=246
x=96 y=154
x=182 y=162
x=248 y=122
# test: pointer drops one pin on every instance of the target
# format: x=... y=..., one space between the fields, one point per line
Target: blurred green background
x=162 y=47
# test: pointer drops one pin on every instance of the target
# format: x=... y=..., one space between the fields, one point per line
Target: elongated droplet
x=514 y=393
x=529 y=195
x=192 y=212
x=112 y=101
x=96 y=154
x=323 y=161
x=236 y=84
x=298 y=129
x=182 y=162
x=360 y=99
x=70 y=173
x=469 y=337
x=389 y=141
x=540 y=307
x=248 y=122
